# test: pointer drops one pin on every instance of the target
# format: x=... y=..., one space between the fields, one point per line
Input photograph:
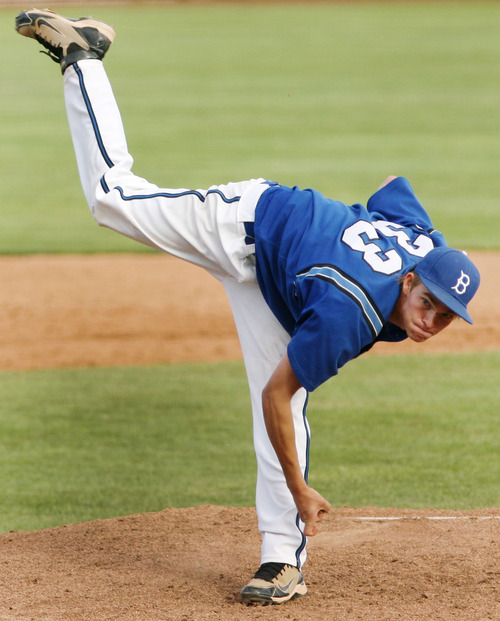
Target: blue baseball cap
x=451 y=277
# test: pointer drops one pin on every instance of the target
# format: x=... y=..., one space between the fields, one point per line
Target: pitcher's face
x=420 y=313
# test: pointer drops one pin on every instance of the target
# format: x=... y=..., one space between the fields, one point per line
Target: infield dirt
x=189 y=564
x=104 y=310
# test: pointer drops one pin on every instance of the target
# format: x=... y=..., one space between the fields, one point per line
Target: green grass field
x=77 y=445
x=334 y=96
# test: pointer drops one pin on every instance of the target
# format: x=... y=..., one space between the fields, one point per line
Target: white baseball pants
x=204 y=227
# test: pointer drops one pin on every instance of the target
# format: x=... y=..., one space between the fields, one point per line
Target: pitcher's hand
x=312 y=509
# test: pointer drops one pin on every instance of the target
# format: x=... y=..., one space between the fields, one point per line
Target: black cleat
x=274 y=583
x=67 y=40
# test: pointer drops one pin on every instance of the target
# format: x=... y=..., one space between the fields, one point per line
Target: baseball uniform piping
x=93 y=120
x=306 y=476
x=308 y=436
x=104 y=185
x=335 y=276
x=198 y=195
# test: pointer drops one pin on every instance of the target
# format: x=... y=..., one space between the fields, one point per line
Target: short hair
x=414 y=283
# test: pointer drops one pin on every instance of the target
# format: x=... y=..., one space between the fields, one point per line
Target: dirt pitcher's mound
x=189 y=565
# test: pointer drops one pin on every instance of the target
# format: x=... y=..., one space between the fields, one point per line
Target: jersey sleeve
x=330 y=331
x=396 y=202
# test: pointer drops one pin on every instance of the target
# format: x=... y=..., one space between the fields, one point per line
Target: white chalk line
x=422 y=517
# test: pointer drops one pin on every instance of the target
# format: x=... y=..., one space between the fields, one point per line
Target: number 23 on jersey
x=362 y=237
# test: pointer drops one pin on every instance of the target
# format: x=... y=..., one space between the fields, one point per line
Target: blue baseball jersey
x=331 y=272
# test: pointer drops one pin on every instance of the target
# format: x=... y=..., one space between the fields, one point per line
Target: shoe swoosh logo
x=284 y=590
x=47 y=31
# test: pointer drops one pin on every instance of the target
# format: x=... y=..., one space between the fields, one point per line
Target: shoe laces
x=49 y=47
x=51 y=56
x=269 y=571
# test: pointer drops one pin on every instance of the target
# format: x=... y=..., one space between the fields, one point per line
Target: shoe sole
x=58 y=31
x=260 y=599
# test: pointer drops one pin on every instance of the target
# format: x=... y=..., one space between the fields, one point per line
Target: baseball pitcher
x=312 y=282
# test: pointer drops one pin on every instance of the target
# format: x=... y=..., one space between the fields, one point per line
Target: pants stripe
x=92 y=117
x=199 y=195
x=306 y=476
